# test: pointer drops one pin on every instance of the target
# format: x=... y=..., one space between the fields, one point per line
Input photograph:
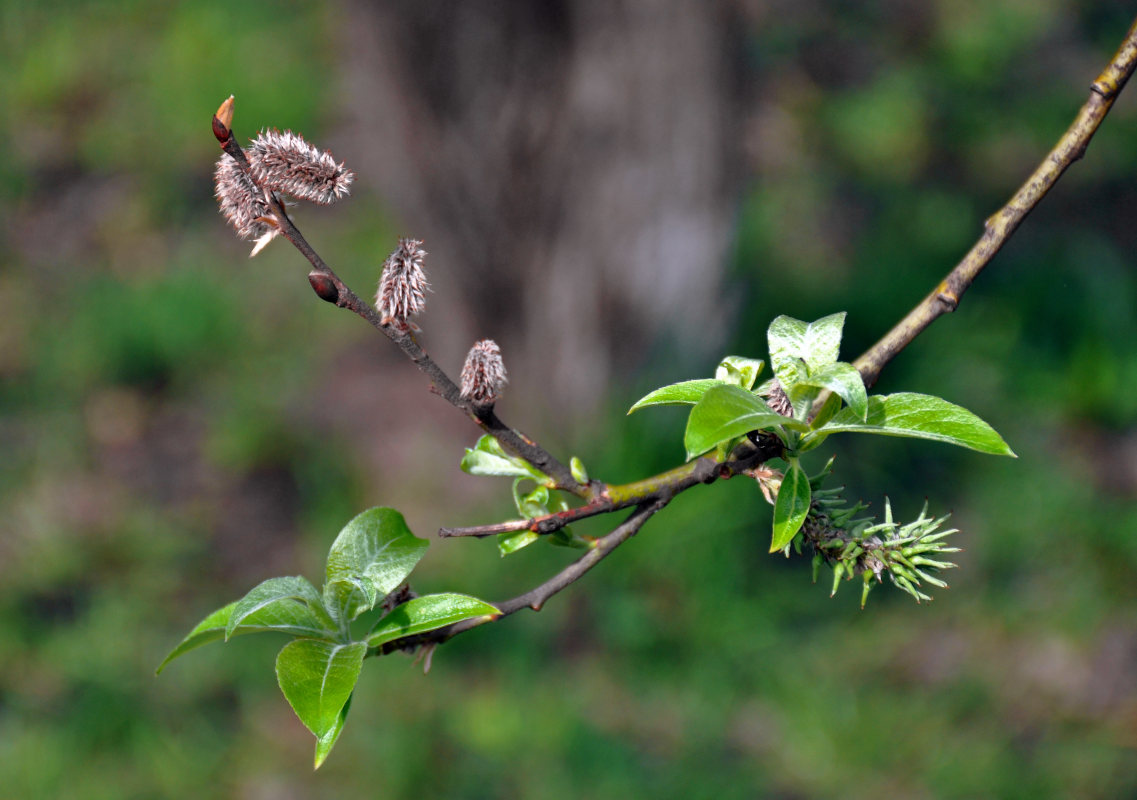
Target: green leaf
x=795 y=344
x=208 y=630
x=325 y=743
x=294 y=619
x=488 y=458
x=739 y=371
x=292 y=597
x=790 y=507
x=427 y=613
x=829 y=409
x=576 y=467
x=920 y=416
x=508 y=543
x=373 y=554
x=844 y=380
x=533 y=504
x=726 y=412
x=686 y=393
x=317 y=679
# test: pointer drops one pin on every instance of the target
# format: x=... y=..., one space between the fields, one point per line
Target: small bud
x=483 y=375
x=284 y=162
x=223 y=120
x=403 y=286
x=779 y=401
x=324 y=286
x=242 y=203
x=576 y=467
x=402 y=594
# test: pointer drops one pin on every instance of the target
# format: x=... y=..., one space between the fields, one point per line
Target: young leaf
x=726 y=412
x=295 y=619
x=294 y=596
x=686 y=393
x=920 y=416
x=791 y=506
x=739 y=371
x=829 y=409
x=508 y=543
x=815 y=344
x=488 y=458
x=842 y=379
x=533 y=504
x=427 y=613
x=317 y=679
x=373 y=554
x=576 y=467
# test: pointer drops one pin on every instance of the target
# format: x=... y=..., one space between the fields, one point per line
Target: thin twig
x=537 y=597
x=999 y=227
x=616 y=497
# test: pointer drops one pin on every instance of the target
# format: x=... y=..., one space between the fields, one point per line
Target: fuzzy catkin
x=403 y=285
x=284 y=162
x=242 y=203
x=483 y=375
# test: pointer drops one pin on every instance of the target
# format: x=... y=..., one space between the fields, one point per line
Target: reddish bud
x=324 y=287
x=223 y=120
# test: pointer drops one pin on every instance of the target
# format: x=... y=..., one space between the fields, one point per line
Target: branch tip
x=223 y=120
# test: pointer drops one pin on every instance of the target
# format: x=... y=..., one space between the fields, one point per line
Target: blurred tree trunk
x=572 y=165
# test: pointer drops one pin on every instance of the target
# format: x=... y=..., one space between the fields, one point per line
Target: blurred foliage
x=177 y=424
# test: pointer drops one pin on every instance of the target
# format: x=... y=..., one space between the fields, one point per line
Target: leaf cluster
x=317 y=671
x=827 y=396
x=488 y=458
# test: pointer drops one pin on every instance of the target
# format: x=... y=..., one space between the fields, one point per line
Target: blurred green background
x=178 y=423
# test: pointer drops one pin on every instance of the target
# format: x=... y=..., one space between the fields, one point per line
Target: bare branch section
x=999 y=227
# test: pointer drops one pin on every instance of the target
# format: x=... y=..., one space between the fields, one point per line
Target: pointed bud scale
x=838 y=574
x=223 y=120
x=403 y=286
x=483 y=375
x=284 y=162
x=867 y=588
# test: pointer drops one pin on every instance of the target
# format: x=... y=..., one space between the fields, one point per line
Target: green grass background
x=173 y=430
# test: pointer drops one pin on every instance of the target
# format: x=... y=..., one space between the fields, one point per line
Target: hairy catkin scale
x=483 y=375
x=403 y=286
x=284 y=162
x=242 y=203
x=778 y=401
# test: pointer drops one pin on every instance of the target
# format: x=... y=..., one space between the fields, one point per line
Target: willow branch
x=328 y=286
x=999 y=226
x=663 y=486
